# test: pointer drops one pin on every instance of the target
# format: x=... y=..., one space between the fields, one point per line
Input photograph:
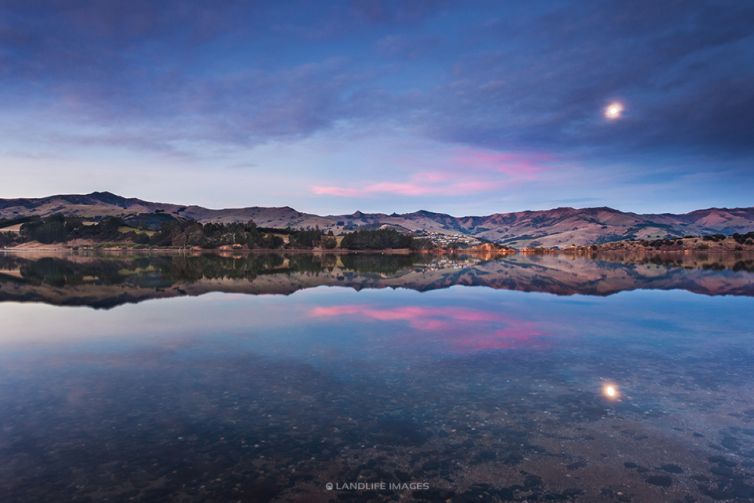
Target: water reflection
x=610 y=391
x=459 y=328
x=487 y=394
x=108 y=281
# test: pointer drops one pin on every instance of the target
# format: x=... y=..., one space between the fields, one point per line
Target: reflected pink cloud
x=519 y=335
x=408 y=313
x=461 y=329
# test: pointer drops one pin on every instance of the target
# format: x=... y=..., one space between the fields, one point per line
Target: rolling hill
x=555 y=227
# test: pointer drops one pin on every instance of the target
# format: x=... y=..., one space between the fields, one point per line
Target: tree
x=376 y=240
x=8 y=238
x=46 y=230
x=307 y=238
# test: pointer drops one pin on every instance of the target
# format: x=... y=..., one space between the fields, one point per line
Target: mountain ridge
x=561 y=226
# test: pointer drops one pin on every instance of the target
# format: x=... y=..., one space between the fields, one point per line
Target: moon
x=613 y=111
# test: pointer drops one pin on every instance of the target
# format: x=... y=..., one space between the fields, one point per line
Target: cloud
x=183 y=78
x=397 y=11
x=679 y=68
x=518 y=166
x=229 y=76
x=420 y=184
x=403 y=189
x=462 y=172
x=406 y=47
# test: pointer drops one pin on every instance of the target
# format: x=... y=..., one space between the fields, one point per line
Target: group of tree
x=380 y=239
x=58 y=228
x=189 y=233
x=747 y=238
x=312 y=238
x=174 y=232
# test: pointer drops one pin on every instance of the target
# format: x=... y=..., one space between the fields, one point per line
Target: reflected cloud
x=418 y=317
x=461 y=329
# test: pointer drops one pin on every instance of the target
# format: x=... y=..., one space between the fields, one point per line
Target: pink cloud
x=459 y=172
x=516 y=165
x=404 y=189
x=324 y=190
x=421 y=184
x=434 y=176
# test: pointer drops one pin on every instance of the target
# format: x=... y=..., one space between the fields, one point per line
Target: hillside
x=545 y=228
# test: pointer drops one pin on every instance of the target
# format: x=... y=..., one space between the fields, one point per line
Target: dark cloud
x=397 y=11
x=681 y=69
x=499 y=75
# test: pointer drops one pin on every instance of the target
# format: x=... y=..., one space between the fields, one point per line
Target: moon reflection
x=610 y=391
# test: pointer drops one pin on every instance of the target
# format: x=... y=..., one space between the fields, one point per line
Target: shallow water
x=258 y=378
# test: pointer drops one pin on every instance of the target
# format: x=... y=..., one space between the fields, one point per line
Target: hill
x=546 y=228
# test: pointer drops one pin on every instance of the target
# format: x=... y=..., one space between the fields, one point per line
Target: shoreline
x=234 y=251
x=583 y=252
x=641 y=249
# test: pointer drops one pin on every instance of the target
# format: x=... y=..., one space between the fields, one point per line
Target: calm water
x=268 y=377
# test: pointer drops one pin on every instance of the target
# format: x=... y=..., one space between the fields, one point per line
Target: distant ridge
x=556 y=227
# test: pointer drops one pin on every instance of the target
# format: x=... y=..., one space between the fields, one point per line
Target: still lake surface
x=255 y=378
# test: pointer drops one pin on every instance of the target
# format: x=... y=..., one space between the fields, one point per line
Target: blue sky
x=329 y=107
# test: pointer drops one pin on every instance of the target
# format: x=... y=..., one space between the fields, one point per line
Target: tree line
x=173 y=232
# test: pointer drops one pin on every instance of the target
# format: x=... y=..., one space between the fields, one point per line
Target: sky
x=466 y=108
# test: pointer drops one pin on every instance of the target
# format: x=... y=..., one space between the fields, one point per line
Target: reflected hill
x=106 y=281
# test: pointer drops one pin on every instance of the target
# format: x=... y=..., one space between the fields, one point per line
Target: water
x=268 y=377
